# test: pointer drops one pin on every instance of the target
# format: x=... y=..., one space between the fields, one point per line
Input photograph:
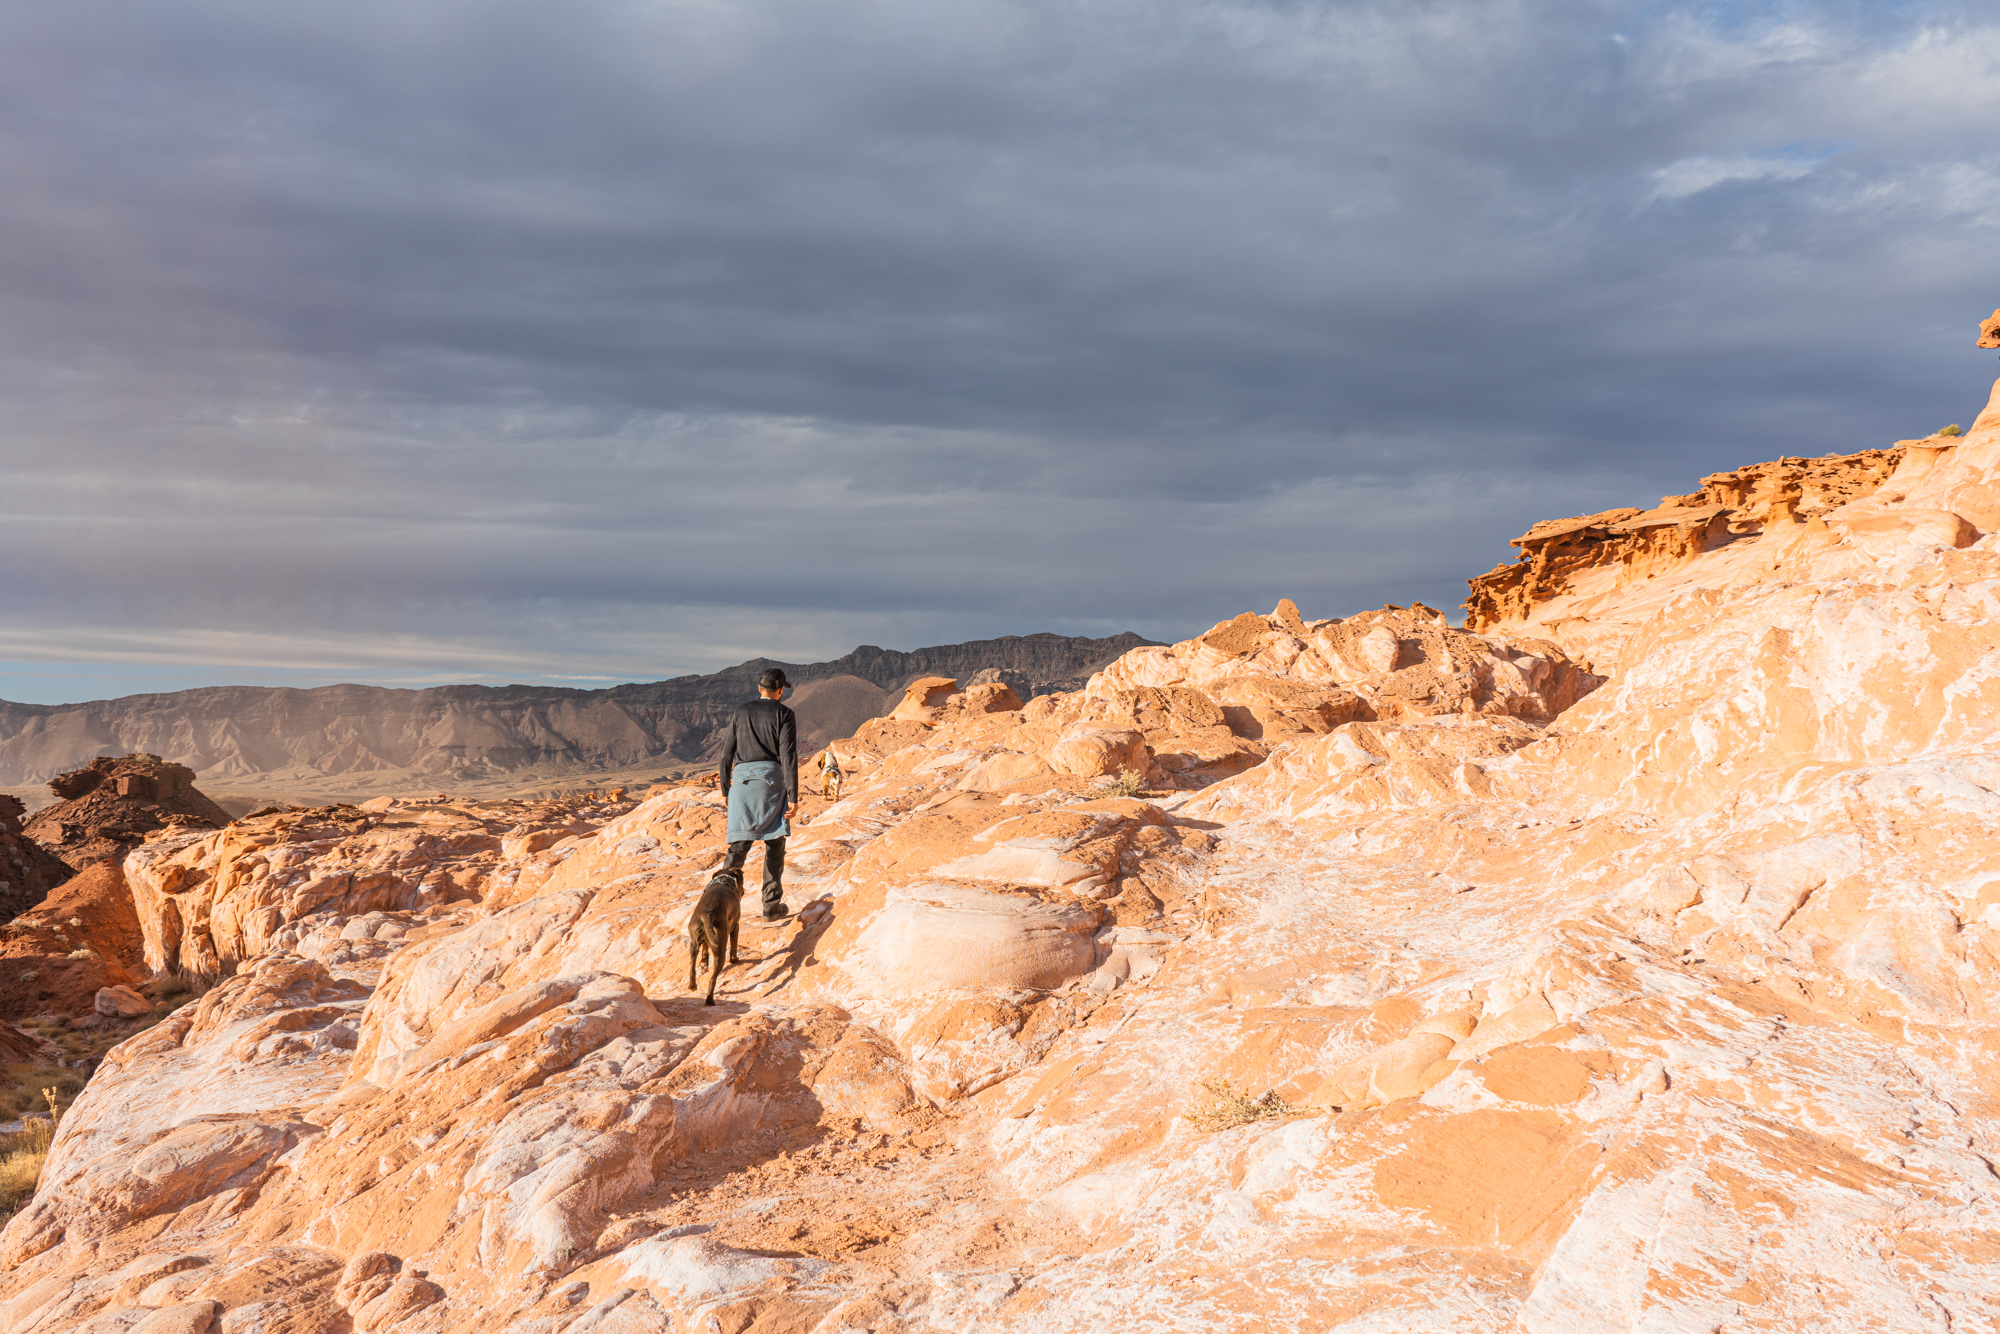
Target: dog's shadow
x=793 y=953
x=685 y=1007
x=742 y=978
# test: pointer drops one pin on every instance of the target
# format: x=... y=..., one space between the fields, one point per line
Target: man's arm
x=788 y=755
x=728 y=753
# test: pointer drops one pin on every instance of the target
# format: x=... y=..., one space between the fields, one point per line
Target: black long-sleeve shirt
x=763 y=729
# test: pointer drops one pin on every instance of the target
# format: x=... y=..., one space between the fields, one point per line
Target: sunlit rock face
x=1626 y=965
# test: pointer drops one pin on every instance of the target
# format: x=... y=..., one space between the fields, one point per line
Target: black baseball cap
x=772 y=679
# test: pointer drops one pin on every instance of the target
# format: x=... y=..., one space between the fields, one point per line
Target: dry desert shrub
x=21 y=1157
x=1953 y=429
x=1127 y=784
x=1222 y=1107
x=20 y=1084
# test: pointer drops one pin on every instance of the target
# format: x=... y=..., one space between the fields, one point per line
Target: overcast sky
x=608 y=340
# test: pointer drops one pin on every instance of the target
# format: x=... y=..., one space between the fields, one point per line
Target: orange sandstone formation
x=1652 y=994
x=1730 y=507
x=82 y=938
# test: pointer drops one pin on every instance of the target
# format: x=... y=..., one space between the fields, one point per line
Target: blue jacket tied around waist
x=757 y=800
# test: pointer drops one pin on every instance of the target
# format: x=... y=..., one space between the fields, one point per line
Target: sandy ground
x=239 y=796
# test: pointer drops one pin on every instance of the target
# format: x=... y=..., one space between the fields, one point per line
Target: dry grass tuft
x=22 y=1155
x=1128 y=783
x=1222 y=1107
x=21 y=1084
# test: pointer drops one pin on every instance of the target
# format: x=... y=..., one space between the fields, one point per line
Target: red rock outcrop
x=28 y=871
x=84 y=936
x=110 y=806
x=1428 y=981
x=19 y=1045
x=1638 y=544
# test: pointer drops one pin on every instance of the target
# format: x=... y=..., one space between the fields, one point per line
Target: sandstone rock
x=207 y=901
x=1089 y=752
x=941 y=937
x=924 y=700
x=400 y=1301
x=121 y=1003
x=1715 y=1017
x=180 y=1318
x=1637 y=544
x=84 y=936
x=1395 y=663
x=1379 y=650
x=1403 y=1069
x=1023 y=686
x=111 y=805
x=1004 y=770
x=992 y=697
x=17 y=1045
x=28 y=871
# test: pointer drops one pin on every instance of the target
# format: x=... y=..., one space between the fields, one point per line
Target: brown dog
x=713 y=926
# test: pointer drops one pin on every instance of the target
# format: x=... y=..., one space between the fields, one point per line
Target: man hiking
x=760 y=777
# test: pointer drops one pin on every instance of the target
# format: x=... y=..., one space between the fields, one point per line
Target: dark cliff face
x=109 y=806
x=240 y=731
x=28 y=871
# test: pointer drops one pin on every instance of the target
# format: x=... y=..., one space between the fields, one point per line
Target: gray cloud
x=500 y=341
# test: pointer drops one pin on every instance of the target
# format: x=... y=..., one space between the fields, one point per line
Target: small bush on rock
x=1222 y=1107
x=1128 y=783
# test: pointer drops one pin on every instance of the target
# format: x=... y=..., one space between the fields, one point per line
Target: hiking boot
x=777 y=913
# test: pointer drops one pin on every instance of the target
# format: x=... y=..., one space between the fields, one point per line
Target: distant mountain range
x=458 y=733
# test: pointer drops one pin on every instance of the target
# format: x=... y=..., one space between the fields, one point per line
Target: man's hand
x=792 y=811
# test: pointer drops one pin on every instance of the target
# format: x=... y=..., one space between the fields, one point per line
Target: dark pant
x=774 y=868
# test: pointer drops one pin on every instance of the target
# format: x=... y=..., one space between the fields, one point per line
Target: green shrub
x=1953 y=429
